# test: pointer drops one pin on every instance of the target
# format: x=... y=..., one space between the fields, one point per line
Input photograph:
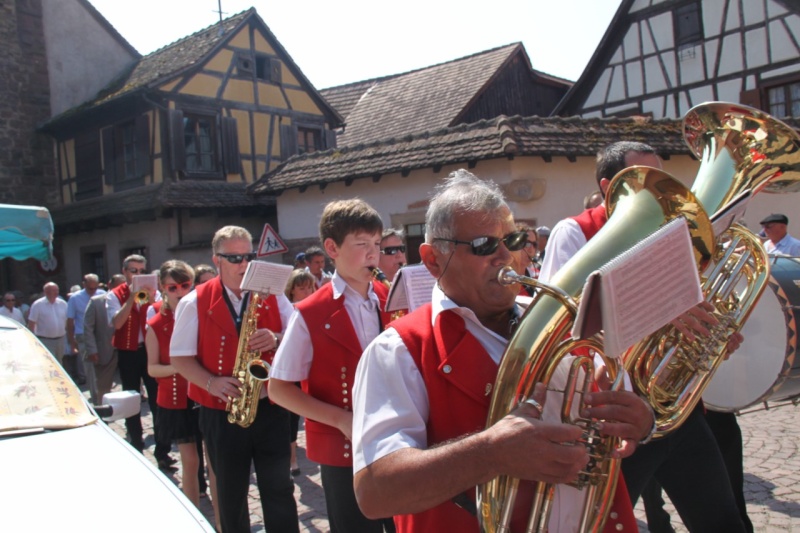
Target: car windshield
x=35 y=392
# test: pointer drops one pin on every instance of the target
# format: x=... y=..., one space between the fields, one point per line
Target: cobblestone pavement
x=771 y=465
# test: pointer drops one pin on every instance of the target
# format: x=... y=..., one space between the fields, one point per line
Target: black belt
x=50 y=338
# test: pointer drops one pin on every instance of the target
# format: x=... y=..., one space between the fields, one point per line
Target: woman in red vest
x=176 y=418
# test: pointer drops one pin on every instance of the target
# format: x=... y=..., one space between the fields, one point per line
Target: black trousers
x=232 y=450
x=344 y=514
x=728 y=434
x=133 y=372
x=688 y=464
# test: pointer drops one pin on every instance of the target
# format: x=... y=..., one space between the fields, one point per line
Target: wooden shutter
x=330 y=139
x=230 y=146
x=177 y=147
x=751 y=98
x=288 y=141
x=142 y=146
x=109 y=163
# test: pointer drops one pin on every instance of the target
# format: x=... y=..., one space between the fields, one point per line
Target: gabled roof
x=488 y=139
x=426 y=99
x=184 y=55
x=613 y=36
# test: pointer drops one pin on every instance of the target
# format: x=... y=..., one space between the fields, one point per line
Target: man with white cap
x=779 y=242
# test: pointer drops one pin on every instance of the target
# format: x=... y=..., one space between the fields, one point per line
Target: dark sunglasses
x=238 y=258
x=488 y=245
x=134 y=270
x=392 y=250
x=173 y=287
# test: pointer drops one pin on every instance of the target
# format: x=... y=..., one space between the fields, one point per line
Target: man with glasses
x=203 y=349
x=9 y=308
x=128 y=319
x=423 y=386
x=393 y=252
x=76 y=307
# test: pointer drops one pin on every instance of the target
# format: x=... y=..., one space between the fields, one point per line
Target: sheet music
x=266 y=277
x=649 y=287
x=144 y=281
x=411 y=288
x=640 y=290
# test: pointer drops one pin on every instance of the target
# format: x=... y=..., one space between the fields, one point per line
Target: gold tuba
x=741 y=149
x=249 y=369
x=540 y=350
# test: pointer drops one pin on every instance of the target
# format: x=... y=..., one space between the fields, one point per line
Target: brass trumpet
x=141 y=297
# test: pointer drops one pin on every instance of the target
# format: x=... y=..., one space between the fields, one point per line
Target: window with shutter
x=88 y=166
x=195 y=145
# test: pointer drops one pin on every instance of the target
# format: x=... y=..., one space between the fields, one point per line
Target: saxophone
x=378 y=274
x=249 y=369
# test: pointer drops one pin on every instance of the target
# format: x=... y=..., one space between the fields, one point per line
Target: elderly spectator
x=779 y=242
x=9 y=308
x=100 y=354
x=48 y=320
x=76 y=307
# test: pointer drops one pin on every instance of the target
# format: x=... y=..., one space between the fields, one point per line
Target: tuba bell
x=741 y=150
x=541 y=349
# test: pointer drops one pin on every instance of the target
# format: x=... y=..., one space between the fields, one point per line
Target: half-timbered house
x=161 y=157
x=661 y=57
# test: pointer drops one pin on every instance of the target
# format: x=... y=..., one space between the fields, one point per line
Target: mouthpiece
x=507 y=276
x=378 y=274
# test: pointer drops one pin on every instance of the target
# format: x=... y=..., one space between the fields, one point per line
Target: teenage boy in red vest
x=203 y=350
x=423 y=387
x=129 y=319
x=687 y=462
x=322 y=347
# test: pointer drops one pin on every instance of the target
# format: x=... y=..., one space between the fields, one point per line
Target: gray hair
x=461 y=192
x=91 y=277
x=134 y=258
x=392 y=232
x=229 y=233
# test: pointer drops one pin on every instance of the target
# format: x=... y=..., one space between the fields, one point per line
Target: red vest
x=127 y=337
x=336 y=354
x=173 y=389
x=459 y=376
x=592 y=220
x=218 y=339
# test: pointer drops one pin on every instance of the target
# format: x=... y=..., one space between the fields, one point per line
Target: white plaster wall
x=81 y=55
x=566 y=186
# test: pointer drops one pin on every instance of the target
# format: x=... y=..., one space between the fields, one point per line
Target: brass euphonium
x=540 y=350
x=249 y=369
x=741 y=149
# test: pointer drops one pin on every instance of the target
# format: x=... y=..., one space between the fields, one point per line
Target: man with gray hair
x=76 y=308
x=423 y=386
x=48 y=320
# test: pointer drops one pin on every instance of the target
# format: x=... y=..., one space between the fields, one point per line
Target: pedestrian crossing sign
x=271 y=243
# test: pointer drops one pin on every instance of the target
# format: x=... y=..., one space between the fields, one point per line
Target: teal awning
x=25 y=232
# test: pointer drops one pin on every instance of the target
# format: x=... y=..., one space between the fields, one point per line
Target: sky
x=335 y=42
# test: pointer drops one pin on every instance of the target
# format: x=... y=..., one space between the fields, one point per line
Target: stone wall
x=27 y=161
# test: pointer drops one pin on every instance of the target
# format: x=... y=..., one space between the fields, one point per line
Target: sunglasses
x=235 y=259
x=134 y=270
x=393 y=250
x=488 y=245
x=173 y=287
